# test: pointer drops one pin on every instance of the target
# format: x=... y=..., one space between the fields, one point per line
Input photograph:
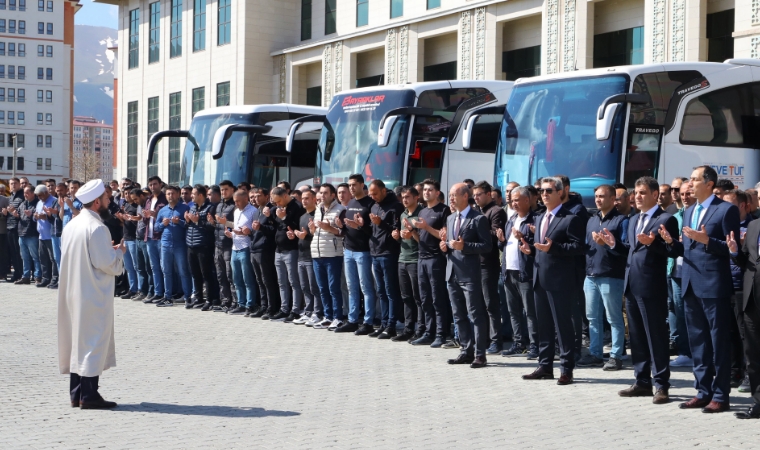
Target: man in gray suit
x=469 y=236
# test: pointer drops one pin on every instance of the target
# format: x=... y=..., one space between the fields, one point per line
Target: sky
x=97 y=14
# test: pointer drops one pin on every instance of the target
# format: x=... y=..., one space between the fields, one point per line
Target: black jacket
x=225 y=208
x=574 y=204
x=292 y=220
x=497 y=218
x=389 y=210
x=262 y=240
x=647 y=265
x=15 y=200
x=555 y=269
x=357 y=240
x=27 y=227
x=200 y=234
x=602 y=261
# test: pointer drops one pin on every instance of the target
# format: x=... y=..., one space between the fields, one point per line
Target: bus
x=616 y=124
x=403 y=134
x=246 y=143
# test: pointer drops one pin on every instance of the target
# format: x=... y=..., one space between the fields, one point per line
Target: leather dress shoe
x=566 y=378
x=661 y=397
x=480 y=361
x=376 y=333
x=388 y=333
x=716 y=407
x=463 y=358
x=75 y=403
x=23 y=281
x=539 y=374
x=636 y=391
x=98 y=404
x=752 y=413
x=694 y=403
x=206 y=306
x=424 y=340
x=438 y=342
x=198 y=303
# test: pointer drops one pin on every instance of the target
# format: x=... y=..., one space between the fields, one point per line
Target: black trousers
x=470 y=316
x=83 y=389
x=554 y=317
x=47 y=262
x=410 y=296
x=737 y=336
x=266 y=278
x=752 y=345
x=519 y=299
x=224 y=274
x=648 y=328
x=15 y=254
x=200 y=267
x=489 y=276
x=5 y=257
x=580 y=322
x=431 y=275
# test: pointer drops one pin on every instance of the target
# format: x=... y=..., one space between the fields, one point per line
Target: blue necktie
x=695 y=217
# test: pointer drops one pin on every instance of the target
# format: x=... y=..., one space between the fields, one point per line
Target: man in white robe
x=89 y=263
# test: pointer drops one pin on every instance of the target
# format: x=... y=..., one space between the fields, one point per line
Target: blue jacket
x=602 y=261
x=172 y=235
x=646 y=267
x=200 y=234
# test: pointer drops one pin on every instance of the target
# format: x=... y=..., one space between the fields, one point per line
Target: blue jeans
x=358 y=267
x=175 y=258
x=327 y=271
x=242 y=276
x=129 y=266
x=30 y=252
x=154 y=253
x=138 y=266
x=57 y=251
x=385 y=269
x=605 y=294
x=677 y=320
x=143 y=267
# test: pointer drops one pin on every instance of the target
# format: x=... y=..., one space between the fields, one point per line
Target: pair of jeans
x=358 y=268
x=143 y=267
x=328 y=271
x=605 y=294
x=201 y=260
x=385 y=269
x=431 y=274
x=30 y=252
x=677 y=320
x=519 y=299
x=47 y=262
x=138 y=267
x=286 y=264
x=242 y=274
x=410 y=295
x=57 y=250
x=175 y=258
x=154 y=253
x=129 y=267
x=310 y=288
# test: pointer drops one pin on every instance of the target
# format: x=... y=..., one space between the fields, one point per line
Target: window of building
x=22 y=95
x=50 y=5
x=22 y=5
x=40 y=96
x=22 y=50
x=21 y=72
x=175 y=123
x=2 y=48
x=2 y=71
x=154 y=33
x=11 y=26
x=40 y=5
x=397 y=8
x=2 y=117
x=48 y=163
x=49 y=73
x=40 y=27
x=48 y=141
x=22 y=27
x=20 y=119
x=40 y=119
x=2 y=25
x=224 y=28
x=132 y=140
x=362 y=12
x=134 y=39
x=40 y=50
x=720 y=40
x=11 y=49
x=2 y=94
x=49 y=51
x=12 y=72
x=314 y=96
x=49 y=28
x=223 y=94
x=39 y=163
x=199 y=99
x=199 y=25
x=39 y=140
x=2 y=144
x=153 y=128
x=2 y=4
x=12 y=5
x=331 y=7
x=11 y=118
x=40 y=73
x=48 y=119
x=305 y=19
x=619 y=48
x=11 y=95
x=375 y=80
x=49 y=96
x=176 y=29
x=437 y=72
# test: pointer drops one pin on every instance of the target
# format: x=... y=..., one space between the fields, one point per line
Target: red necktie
x=545 y=227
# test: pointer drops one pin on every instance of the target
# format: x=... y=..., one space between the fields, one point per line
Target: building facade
x=93 y=150
x=36 y=87
x=182 y=55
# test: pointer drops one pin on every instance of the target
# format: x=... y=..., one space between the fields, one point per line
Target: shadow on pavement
x=201 y=410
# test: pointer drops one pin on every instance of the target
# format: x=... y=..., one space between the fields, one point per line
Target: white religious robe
x=89 y=264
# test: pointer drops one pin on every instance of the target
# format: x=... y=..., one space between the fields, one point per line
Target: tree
x=86 y=162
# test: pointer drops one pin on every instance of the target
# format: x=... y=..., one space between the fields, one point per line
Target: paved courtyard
x=192 y=379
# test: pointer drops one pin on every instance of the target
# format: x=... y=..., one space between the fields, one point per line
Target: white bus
x=245 y=143
x=620 y=123
x=403 y=134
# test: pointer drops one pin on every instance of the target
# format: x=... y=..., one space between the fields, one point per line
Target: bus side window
x=425 y=161
x=716 y=118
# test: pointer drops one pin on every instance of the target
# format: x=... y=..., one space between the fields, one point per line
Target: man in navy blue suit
x=707 y=288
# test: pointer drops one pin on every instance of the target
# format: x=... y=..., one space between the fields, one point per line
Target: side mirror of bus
x=468 y=131
x=291 y=136
x=384 y=133
x=604 y=121
x=221 y=135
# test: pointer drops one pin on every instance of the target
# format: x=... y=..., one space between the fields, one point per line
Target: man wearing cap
x=89 y=263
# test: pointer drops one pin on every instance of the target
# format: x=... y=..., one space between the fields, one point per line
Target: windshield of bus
x=348 y=143
x=549 y=128
x=197 y=164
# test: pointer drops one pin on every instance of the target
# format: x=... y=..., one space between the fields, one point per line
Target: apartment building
x=185 y=55
x=36 y=87
x=93 y=150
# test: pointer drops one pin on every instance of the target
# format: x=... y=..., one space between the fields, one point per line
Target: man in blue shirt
x=45 y=230
x=71 y=206
x=170 y=222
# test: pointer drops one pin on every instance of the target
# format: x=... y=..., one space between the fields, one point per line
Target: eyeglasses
x=547 y=191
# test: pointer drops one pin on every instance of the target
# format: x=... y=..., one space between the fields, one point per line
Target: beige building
x=181 y=56
x=93 y=150
x=36 y=87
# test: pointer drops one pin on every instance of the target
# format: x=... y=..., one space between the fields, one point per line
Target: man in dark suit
x=646 y=291
x=707 y=288
x=469 y=234
x=559 y=239
x=749 y=259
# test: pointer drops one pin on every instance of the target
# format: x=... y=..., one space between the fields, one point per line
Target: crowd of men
x=664 y=270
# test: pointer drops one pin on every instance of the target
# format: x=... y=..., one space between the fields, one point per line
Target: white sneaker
x=323 y=324
x=335 y=324
x=313 y=320
x=682 y=361
x=301 y=320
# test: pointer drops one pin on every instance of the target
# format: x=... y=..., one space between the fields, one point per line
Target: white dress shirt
x=553 y=212
x=512 y=249
x=645 y=217
x=243 y=218
x=705 y=204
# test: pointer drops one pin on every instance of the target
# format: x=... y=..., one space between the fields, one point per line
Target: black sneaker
x=517 y=349
x=438 y=342
x=494 y=348
x=128 y=295
x=388 y=333
x=745 y=387
x=279 y=317
x=43 y=284
x=532 y=352
x=364 y=329
x=249 y=311
x=590 y=361
x=153 y=299
x=188 y=305
x=424 y=340
x=240 y=310
x=451 y=343
x=223 y=308
x=53 y=286
x=165 y=303
x=140 y=296
x=417 y=335
x=259 y=312
x=403 y=337
x=266 y=316
x=291 y=317
x=376 y=333
x=178 y=297
x=207 y=306
x=348 y=327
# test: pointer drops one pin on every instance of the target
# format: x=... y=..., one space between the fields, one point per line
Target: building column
x=494 y=46
x=327 y=66
x=550 y=38
x=695 y=30
x=584 y=34
x=391 y=54
x=464 y=46
x=415 y=56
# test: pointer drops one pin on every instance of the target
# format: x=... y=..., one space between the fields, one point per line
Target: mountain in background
x=94 y=67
